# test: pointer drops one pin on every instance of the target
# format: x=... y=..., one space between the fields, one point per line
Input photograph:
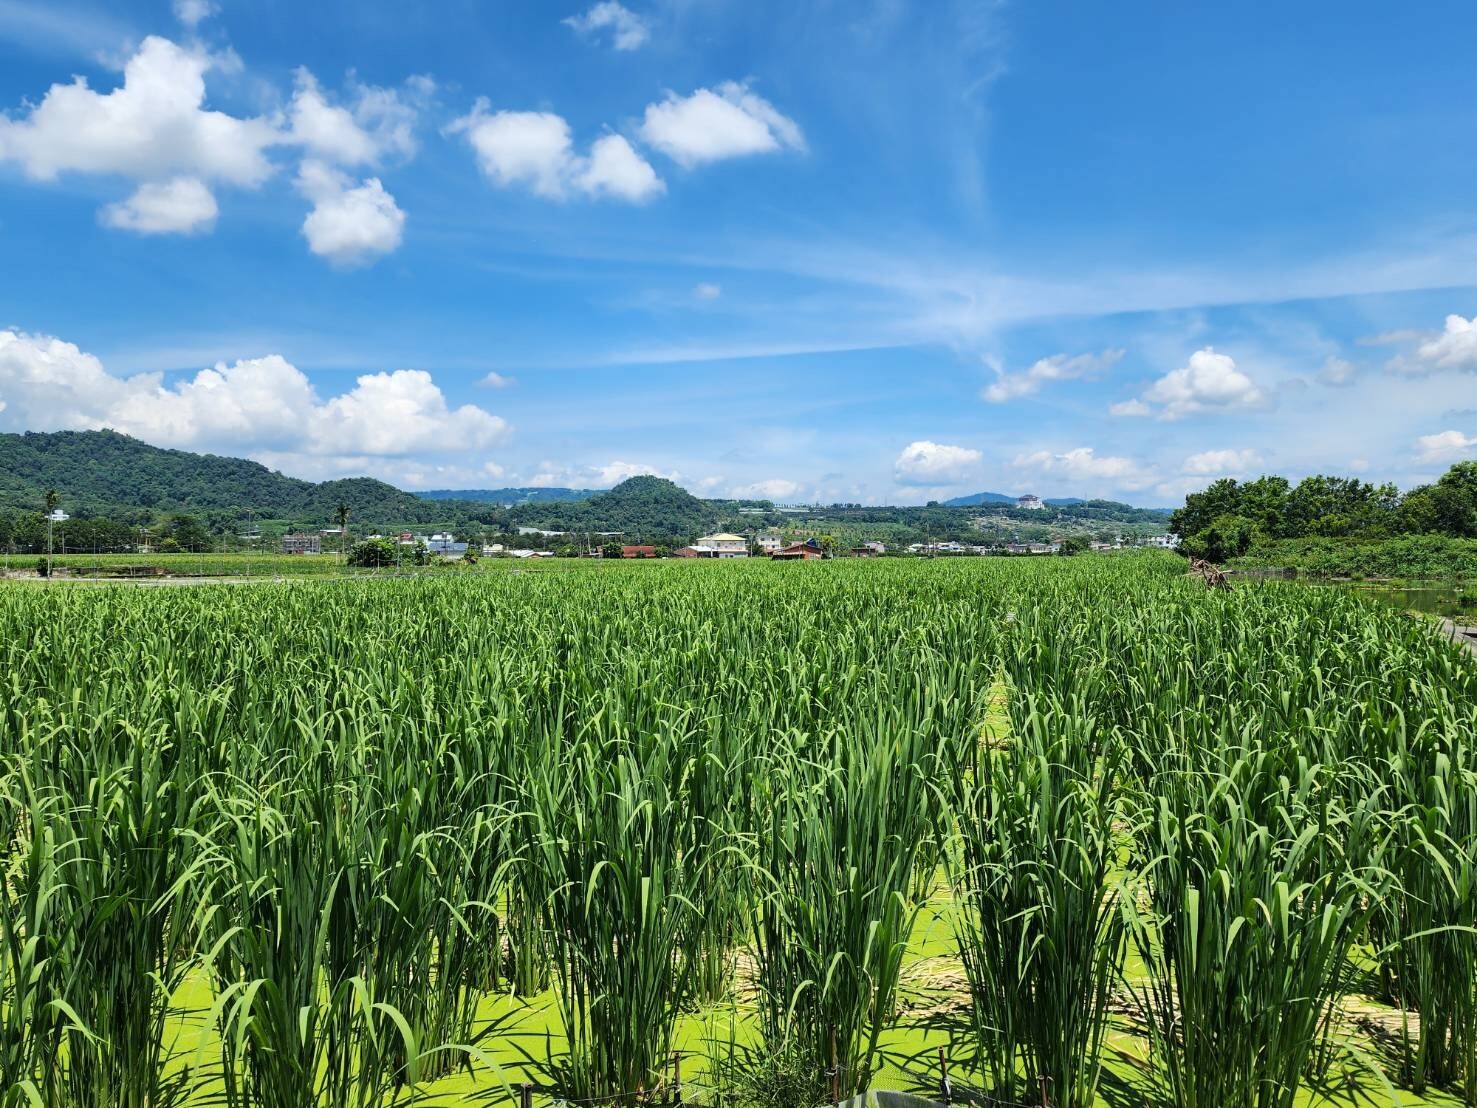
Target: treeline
x=26 y=533
x=1229 y=518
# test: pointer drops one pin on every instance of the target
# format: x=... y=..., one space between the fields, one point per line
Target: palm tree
x=53 y=498
x=343 y=531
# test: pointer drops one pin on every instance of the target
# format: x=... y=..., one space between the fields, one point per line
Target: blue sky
x=864 y=250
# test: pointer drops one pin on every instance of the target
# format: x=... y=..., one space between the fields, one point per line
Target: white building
x=1029 y=502
x=768 y=543
x=1163 y=542
x=724 y=545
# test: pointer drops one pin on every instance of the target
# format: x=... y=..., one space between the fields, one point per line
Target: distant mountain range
x=109 y=475
x=975 y=499
x=539 y=495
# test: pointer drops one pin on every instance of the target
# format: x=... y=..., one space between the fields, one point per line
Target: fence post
x=525 y=1095
x=677 y=1079
x=835 y=1072
x=946 y=1092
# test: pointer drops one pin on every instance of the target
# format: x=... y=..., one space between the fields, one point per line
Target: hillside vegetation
x=104 y=473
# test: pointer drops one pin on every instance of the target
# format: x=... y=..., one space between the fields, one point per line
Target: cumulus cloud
x=1454 y=350
x=934 y=463
x=707 y=290
x=153 y=126
x=614 y=169
x=181 y=205
x=1085 y=464
x=1445 y=447
x=193 y=12
x=1209 y=382
x=713 y=124
x=1057 y=367
x=776 y=488
x=554 y=474
x=535 y=150
x=350 y=224
x=628 y=31
x=155 y=129
x=377 y=121
x=1221 y=462
x=259 y=406
x=496 y=381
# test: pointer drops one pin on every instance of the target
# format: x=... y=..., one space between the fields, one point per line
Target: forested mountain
x=105 y=473
x=976 y=498
x=529 y=495
x=652 y=508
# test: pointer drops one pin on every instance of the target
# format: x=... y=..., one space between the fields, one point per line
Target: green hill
x=652 y=508
x=104 y=473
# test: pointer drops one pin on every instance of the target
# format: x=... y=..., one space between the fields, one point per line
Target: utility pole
x=52 y=499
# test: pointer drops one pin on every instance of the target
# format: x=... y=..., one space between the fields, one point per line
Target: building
x=724 y=545
x=769 y=542
x=1029 y=502
x=868 y=550
x=301 y=542
x=445 y=544
x=1163 y=542
x=806 y=551
x=638 y=551
x=693 y=552
x=533 y=553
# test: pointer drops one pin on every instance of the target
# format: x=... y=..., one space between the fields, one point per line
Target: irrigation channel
x=1077 y=828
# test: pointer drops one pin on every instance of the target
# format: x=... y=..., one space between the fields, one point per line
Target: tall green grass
x=363 y=818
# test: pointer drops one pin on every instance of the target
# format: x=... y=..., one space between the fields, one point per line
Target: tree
x=187 y=532
x=1201 y=508
x=611 y=550
x=1074 y=544
x=373 y=554
x=1228 y=536
x=342 y=514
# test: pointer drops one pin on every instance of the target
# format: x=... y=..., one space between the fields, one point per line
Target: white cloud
x=535 y=150
x=496 y=380
x=350 y=224
x=1057 y=367
x=1446 y=446
x=707 y=290
x=615 y=169
x=1337 y=372
x=379 y=122
x=934 y=463
x=152 y=127
x=710 y=125
x=1452 y=351
x=554 y=474
x=1084 y=464
x=628 y=31
x=1210 y=382
x=181 y=205
x=193 y=12
x=1222 y=462
x=259 y=406
x=776 y=488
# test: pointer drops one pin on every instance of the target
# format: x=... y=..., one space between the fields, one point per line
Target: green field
x=375 y=841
